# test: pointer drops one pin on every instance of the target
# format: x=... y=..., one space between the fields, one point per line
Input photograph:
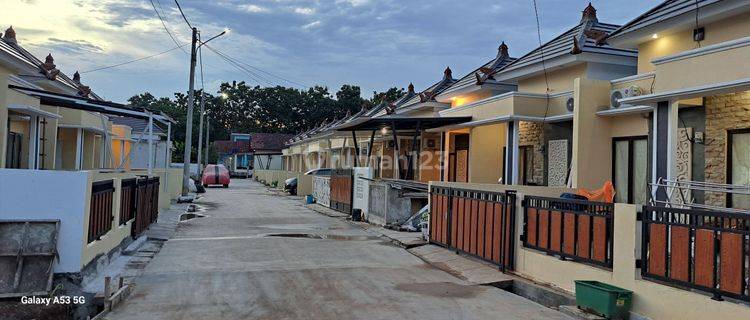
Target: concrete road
x=262 y=256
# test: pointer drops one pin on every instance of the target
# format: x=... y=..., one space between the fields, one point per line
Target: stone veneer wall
x=723 y=112
x=530 y=133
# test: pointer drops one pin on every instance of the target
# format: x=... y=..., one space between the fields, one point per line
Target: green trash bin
x=606 y=300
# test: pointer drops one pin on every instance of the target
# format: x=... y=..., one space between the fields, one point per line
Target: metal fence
x=578 y=230
x=128 y=189
x=479 y=223
x=147 y=204
x=700 y=249
x=100 y=209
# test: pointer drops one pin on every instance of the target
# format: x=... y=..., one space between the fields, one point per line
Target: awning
x=502 y=119
x=691 y=92
x=81 y=103
x=32 y=111
x=402 y=123
x=623 y=110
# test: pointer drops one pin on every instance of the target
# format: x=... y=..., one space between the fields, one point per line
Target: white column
x=33 y=142
x=511 y=153
x=150 y=143
x=79 y=149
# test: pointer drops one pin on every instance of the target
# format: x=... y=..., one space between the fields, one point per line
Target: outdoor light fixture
x=699 y=34
x=654 y=36
x=384 y=130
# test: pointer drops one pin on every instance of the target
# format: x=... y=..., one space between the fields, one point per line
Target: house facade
x=65 y=157
x=658 y=107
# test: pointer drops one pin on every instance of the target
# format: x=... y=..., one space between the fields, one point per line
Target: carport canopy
x=402 y=123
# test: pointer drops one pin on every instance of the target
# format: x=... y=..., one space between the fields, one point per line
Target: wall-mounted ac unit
x=617 y=94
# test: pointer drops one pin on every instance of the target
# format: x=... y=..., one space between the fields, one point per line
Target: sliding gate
x=341 y=190
x=479 y=223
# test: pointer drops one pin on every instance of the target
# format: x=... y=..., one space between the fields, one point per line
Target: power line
x=255 y=77
x=544 y=67
x=183 y=14
x=134 y=60
x=163 y=23
x=261 y=70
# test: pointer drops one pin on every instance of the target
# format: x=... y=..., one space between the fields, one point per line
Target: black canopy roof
x=401 y=123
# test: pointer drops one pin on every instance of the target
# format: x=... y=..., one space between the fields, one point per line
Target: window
x=738 y=166
x=630 y=169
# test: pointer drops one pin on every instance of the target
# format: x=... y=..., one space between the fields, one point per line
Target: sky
x=375 y=44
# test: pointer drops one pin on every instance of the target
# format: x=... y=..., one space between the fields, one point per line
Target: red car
x=215 y=174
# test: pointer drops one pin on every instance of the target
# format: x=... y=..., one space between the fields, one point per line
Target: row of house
x=98 y=169
x=244 y=152
x=659 y=107
x=577 y=111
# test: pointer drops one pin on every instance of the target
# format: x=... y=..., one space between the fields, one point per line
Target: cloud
x=73 y=46
x=251 y=8
x=312 y=25
x=304 y=10
x=374 y=44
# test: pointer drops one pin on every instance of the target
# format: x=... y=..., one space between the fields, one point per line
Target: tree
x=238 y=107
x=387 y=96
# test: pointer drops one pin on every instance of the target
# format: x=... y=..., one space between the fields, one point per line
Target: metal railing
x=577 y=230
x=705 y=250
x=100 y=209
x=478 y=223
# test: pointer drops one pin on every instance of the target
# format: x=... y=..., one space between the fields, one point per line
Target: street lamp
x=191 y=98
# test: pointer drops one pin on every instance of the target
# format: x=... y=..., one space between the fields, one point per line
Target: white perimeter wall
x=49 y=195
x=261 y=161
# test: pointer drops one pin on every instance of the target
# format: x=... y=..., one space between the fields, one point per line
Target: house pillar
x=79 y=149
x=33 y=142
x=665 y=139
x=511 y=154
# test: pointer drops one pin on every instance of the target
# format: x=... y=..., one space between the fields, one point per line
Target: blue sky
x=375 y=44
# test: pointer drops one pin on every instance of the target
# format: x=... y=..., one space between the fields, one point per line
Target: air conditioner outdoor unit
x=617 y=94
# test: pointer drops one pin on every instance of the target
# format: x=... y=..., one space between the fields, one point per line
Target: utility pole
x=189 y=120
x=200 y=132
x=208 y=134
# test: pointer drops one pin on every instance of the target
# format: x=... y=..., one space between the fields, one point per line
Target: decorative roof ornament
x=390 y=108
x=410 y=88
x=10 y=35
x=448 y=74
x=589 y=13
x=502 y=50
x=488 y=71
x=83 y=91
x=48 y=68
x=587 y=31
x=576 y=49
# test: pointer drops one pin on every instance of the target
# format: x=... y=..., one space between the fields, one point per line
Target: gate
x=341 y=190
x=147 y=204
x=479 y=223
x=699 y=249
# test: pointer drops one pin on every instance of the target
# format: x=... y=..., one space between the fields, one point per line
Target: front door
x=13 y=150
x=459 y=159
x=630 y=169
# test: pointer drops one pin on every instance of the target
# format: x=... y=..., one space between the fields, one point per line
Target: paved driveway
x=261 y=256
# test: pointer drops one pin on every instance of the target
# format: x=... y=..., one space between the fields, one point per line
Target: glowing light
x=458 y=101
x=654 y=36
x=384 y=130
x=224 y=95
